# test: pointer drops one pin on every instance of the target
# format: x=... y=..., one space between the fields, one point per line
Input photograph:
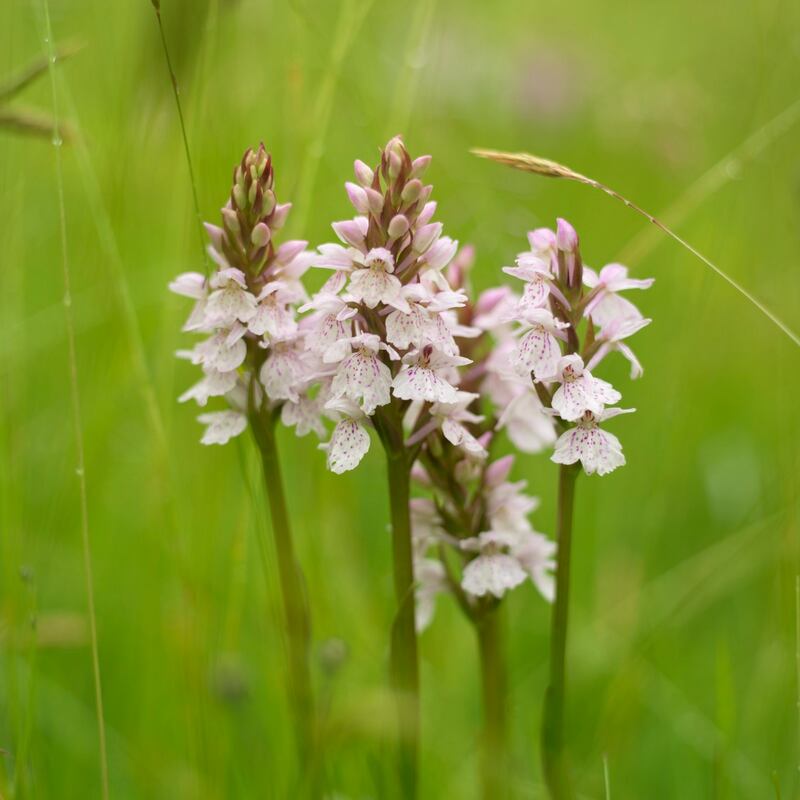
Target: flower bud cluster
x=246 y=307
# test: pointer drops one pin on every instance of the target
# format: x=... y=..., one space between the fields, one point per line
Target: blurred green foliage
x=682 y=667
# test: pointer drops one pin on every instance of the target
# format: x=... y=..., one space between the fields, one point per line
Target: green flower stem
x=493 y=764
x=404 y=666
x=554 y=759
x=295 y=606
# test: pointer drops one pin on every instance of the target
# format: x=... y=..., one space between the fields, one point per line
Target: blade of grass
x=606 y=778
x=16 y=83
x=726 y=169
x=412 y=60
x=349 y=23
x=177 y=95
x=75 y=403
x=552 y=169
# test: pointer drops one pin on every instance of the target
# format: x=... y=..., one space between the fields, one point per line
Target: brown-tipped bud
x=252 y=191
x=260 y=235
x=412 y=191
x=398 y=226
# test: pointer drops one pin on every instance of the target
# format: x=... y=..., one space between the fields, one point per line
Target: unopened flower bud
x=349 y=231
x=419 y=165
x=364 y=174
x=395 y=165
x=498 y=471
x=239 y=196
x=411 y=191
x=251 y=194
x=358 y=197
x=260 y=235
x=375 y=201
x=268 y=203
x=231 y=220
x=279 y=215
x=398 y=226
x=426 y=236
x=566 y=237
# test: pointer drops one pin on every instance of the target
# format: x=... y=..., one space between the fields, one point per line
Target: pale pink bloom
x=350 y=441
x=508 y=507
x=612 y=336
x=274 y=318
x=421 y=378
x=222 y=426
x=598 y=450
x=283 y=371
x=580 y=391
x=522 y=414
x=425 y=322
x=223 y=352
x=189 y=284
x=606 y=305
x=372 y=281
x=537 y=277
x=305 y=414
x=494 y=571
x=213 y=384
x=328 y=331
x=431 y=580
x=230 y=301
x=336 y=257
x=536 y=555
x=495 y=309
x=452 y=416
x=361 y=376
x=426 y=524
x=543 y=245
x=537 y=350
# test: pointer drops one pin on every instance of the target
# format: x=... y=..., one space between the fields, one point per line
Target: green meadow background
x=682 y=668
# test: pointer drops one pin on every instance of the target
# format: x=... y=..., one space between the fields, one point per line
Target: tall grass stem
x=177 y=95
x=75 y=403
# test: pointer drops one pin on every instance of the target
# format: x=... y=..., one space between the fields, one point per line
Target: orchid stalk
x=246 y=308
x=381 y=353
x=569 y=319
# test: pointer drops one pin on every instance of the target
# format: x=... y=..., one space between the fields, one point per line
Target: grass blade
x=76 y=407
x=552 y=169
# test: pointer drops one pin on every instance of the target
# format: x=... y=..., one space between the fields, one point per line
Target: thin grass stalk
x=494 y=760
x=177 y=95
x=552 y=169
x=554 y=755
x=75 y=403
x=295 y=606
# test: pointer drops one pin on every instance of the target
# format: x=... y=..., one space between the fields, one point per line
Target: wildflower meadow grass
x=400 y=537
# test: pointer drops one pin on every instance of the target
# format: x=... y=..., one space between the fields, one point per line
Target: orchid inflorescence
x=394 y=323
